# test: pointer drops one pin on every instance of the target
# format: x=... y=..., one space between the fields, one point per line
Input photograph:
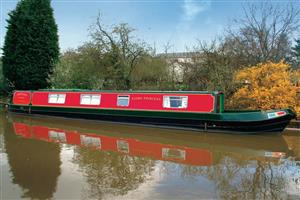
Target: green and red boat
x=194 y=110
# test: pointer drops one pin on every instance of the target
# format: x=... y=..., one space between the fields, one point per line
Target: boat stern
x=257 y=121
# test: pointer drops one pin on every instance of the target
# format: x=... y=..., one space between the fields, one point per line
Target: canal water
x=57 y=158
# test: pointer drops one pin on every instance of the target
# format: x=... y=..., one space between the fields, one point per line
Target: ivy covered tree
x=1 y=78
x=296 y=49
x=31 y=45
x=296 y=54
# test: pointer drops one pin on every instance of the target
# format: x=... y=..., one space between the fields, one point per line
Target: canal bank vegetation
x=268 y=85
x=30 y=49
x=3 y=92
x=255 y=62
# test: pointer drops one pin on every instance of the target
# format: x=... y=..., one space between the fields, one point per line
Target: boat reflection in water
x=157 y=146
x=130 y=146
x=116 y=159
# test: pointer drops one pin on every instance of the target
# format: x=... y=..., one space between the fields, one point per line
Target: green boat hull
x=233 y=122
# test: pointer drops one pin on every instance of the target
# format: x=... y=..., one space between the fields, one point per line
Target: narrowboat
x=196 y=110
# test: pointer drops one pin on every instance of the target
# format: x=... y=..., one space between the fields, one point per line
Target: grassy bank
x=3 y=101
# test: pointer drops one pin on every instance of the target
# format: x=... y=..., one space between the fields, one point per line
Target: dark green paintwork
x=221 y=96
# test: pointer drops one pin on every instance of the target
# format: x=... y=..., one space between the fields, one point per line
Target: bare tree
x=264 y=33
x=121 y=48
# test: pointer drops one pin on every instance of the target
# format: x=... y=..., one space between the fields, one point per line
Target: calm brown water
x=56 y=158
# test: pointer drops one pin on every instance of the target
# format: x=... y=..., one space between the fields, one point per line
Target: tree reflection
x=34 y=164
x=110 y=173
x=260 y=178
x=1 y=131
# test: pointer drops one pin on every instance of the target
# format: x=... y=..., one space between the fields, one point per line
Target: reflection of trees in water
x=293 y=141
x=256 y=179
x=110 y=173
x=2 y=118
x=34 y=164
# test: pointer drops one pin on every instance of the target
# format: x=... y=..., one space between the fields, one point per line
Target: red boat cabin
x=206 y=102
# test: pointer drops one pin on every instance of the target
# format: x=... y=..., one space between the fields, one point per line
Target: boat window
x=57 y=98
x=123 y=101
x=175 y=102
x=95 y=100
x=90 y=99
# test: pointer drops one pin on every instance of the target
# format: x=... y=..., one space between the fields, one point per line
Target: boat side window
x=90 y=99
x=57 y=98
x=175 y=102
x=123 y=101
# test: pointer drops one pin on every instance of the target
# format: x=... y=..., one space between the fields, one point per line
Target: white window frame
x=90 y=99
x=167 y=102
x=122 y=96
x=56 y=98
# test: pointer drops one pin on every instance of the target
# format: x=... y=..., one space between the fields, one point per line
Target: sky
x=181 y=23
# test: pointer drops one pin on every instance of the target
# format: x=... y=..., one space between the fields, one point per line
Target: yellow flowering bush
x=268 y=86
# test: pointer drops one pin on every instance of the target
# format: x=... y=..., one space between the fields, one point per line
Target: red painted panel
x=21 y=97
x=138 y=101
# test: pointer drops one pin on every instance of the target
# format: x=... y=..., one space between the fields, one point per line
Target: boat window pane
x=184 y=102
x=85 y=99
x=123 y=101
x=57 y=98
x=90 y=99
x=52 y=98
x=95 y=100
x=166 y=102
x=175 y=102
x=61 y=98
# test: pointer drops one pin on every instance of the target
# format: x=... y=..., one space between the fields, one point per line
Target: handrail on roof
x=132 y=91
